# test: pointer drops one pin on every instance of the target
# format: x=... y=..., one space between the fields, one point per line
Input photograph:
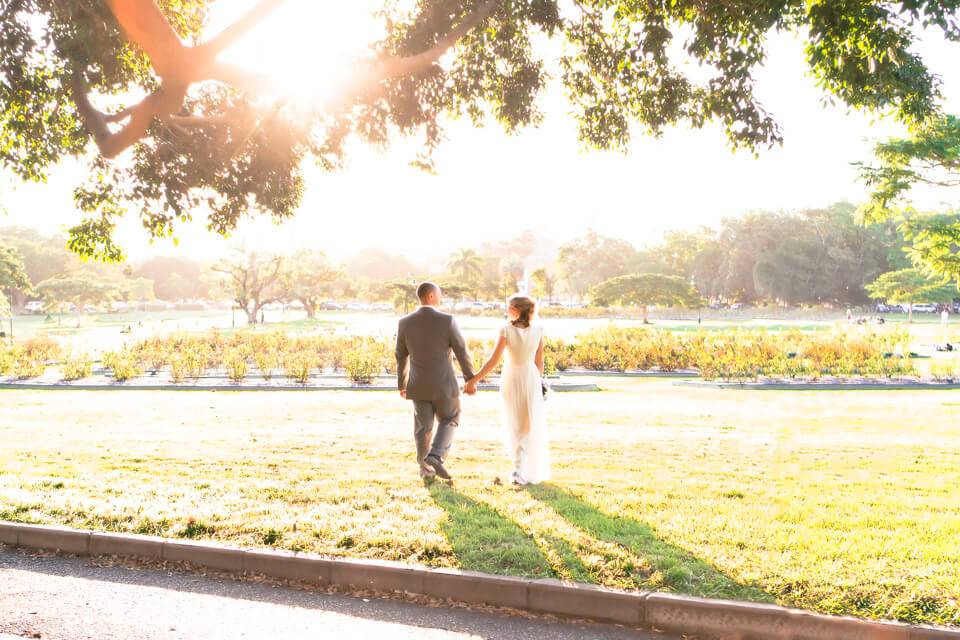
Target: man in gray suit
x=425 y=375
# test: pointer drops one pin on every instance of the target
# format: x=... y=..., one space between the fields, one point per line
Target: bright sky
x=493 y=186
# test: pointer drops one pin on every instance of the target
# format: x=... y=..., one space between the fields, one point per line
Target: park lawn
x=839 y=502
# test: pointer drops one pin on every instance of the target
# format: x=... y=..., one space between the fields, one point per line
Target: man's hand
x=403 y=393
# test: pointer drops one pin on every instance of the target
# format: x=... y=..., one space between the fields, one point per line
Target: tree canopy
x=251 y=280
x=307 y=277
x=910 y=286
x=929 y=156
x=807 y=257
x=590 y=260
x=78 y=289
x=13 y=276
x=209 y=138
x=645 y=289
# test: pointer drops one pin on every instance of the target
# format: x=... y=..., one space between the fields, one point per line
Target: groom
x=425 y=375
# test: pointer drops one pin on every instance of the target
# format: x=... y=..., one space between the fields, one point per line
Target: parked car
x=925 y=307
x=34 y=306
x=330 y=305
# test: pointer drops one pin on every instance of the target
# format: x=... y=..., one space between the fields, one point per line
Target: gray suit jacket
x=425 y=339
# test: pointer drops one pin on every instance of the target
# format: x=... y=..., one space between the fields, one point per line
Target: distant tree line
x=811 y=257
x=819 y=256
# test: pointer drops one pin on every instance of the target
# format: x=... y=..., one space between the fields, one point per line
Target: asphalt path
x=67 y=598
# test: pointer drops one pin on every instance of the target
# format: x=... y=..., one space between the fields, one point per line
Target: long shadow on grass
x=484 y=540
x=676 y=568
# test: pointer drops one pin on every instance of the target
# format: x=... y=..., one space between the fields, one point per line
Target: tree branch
x=179 y=67
x=236 y=76
x=119 y=116
x=159 y=103
x=147 y=27
x=226 y=38
x=198 y=121
x=395 y=66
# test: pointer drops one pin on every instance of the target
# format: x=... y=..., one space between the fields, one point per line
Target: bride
x=522 y=390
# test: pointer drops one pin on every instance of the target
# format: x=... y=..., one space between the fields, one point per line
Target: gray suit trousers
x=445 y=412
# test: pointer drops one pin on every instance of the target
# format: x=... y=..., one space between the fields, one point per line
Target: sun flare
x=307 y=48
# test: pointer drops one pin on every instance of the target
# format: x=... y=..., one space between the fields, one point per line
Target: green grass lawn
x=841 y=502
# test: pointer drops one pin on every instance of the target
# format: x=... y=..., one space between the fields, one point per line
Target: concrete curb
x=660 y=611
x=587 y=373
x=820 y=386
x=69 y=386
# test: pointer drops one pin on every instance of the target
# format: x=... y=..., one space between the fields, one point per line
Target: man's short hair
x=425 y=289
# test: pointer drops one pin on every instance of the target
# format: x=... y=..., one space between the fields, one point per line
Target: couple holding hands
x=425 y=375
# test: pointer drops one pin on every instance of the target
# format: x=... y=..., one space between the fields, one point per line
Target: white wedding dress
x=524 y=413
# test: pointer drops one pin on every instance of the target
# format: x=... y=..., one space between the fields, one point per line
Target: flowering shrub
x=726 y=355
x=125 y=364
x=363 y=365
x=76 y=367
x=43 y=349
x=178 y=368
x=8 y=360
x=297 y=366
x=266 y=360
x=26 y=368
x=236 y=362
x=945 y=371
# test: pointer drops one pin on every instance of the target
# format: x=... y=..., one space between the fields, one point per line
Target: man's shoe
x=434 y=462
x=426 y=471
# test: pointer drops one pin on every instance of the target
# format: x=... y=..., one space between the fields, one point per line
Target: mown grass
x=840 y=502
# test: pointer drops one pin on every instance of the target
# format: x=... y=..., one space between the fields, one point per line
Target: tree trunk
x=251 y=313
x=646 y=314
x=311 y=308
x=910 y=313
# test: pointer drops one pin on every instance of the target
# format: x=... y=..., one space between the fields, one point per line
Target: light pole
x=406 y=298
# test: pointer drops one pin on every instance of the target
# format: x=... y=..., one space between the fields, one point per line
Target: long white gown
x=524 y=413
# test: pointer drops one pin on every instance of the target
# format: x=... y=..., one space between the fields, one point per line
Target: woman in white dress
x=522 y=390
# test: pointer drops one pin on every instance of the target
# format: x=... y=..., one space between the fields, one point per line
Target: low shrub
x=125 y=365
x=43 y=349
x=363 y=365
x=297 y=366
x=178 y=368
x=945 y=370
x=8 y=360
x=266 y=358
x=76 y=367
x=26 y=368
x=730 y=355
x=236 y=363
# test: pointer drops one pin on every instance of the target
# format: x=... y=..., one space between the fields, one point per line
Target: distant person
x=944 y=321
x=523 y=391
x=425 y=375
x=849 y=314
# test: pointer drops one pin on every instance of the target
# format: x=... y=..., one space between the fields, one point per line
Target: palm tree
x=466 y=265
x=545 y=283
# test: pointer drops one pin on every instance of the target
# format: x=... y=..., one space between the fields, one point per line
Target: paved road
x=69 y=599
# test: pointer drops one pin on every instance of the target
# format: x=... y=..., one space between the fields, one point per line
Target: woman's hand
x=470 y=387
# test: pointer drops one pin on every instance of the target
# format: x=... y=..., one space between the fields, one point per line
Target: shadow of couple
x=483 y=539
